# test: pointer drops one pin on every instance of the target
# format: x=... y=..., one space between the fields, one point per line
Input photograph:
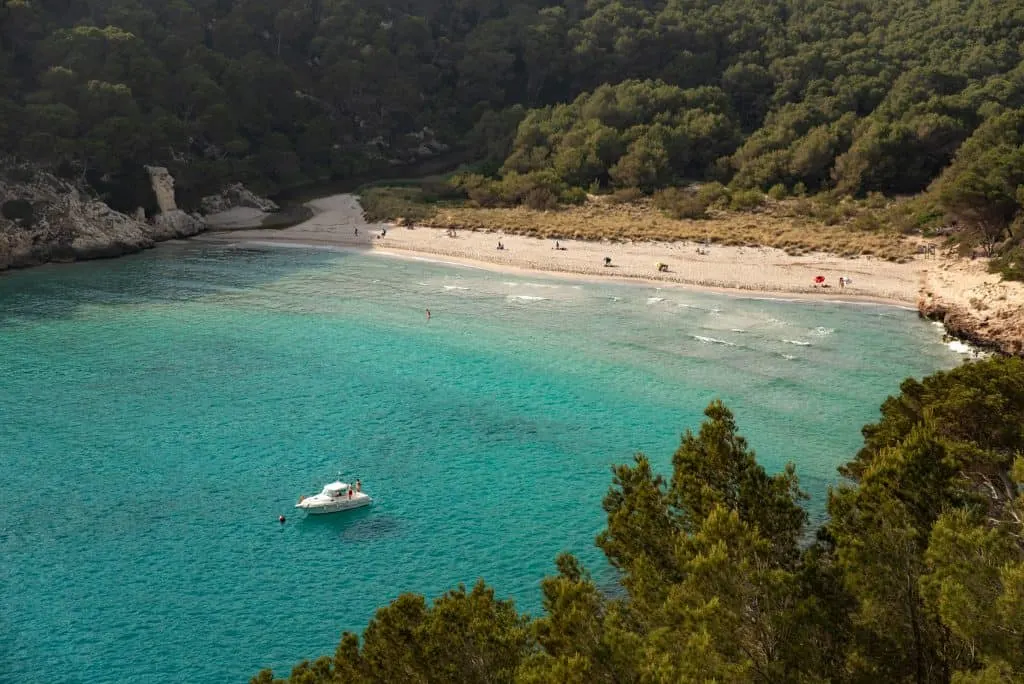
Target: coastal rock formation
x=975 y=306
x=233 y=196
x=45 y=218
x=175 y=224
x=163 y=188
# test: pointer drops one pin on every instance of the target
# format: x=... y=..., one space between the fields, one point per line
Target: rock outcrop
x=175 y=224
x=975 y=306
x=233 y=196
x=45 y=218
x=163 y=188
x=1002 y=332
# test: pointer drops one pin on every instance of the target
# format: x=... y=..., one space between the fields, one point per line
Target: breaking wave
x=712 y=340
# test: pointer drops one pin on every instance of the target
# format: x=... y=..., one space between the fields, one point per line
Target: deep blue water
x=159 y=412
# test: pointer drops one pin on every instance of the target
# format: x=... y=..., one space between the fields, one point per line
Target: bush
x=540 y=199
x=437 y=190
x=877 y=200
x=867 y=222
x=1009 y=264
x=745 y=200
x=18 y=210
x=485 y=195
x=777 y=191
x=483 y=191
x=680 y=204
x=573 y=196
x=714 y=194
x=800 y=189
x=388 y=204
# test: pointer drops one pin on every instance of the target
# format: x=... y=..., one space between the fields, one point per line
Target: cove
x=160 y=411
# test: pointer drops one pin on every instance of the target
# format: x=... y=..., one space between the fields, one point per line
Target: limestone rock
x=175 y=224
x=66 y=224
x=236 y=195
x=163 y=188
x=1006 y=336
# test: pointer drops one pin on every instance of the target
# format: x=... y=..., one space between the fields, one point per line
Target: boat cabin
x=336 y=489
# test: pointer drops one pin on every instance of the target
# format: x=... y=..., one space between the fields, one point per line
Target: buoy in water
x=280 y=519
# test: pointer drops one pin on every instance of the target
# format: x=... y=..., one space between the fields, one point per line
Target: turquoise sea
x=159 y=412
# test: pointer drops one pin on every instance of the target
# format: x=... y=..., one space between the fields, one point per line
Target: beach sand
x=753 y=270
x=974 y=304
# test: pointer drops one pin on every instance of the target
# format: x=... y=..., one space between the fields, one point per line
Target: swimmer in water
x=428 y=314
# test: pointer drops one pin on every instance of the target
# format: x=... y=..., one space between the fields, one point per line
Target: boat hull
x=324 y=509
x=325 y=503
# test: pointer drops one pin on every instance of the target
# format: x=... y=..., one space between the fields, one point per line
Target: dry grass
x=639 y=221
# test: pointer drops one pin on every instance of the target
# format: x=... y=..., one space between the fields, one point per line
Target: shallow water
x=159 y=412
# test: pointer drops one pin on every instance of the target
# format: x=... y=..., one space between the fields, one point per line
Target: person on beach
x=842 y=282
x=428 y=314
x=556 y=245
x=357 y=232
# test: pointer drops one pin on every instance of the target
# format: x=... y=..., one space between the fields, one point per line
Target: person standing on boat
x=359 y=485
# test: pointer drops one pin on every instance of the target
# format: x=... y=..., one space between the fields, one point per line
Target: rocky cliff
x=44 y=218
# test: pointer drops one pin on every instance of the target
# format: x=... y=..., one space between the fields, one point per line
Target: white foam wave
x=961 y=347
x=655 y=300
x=526 y=298
x=739 y=330
x=455 y=287
x=822 y=332
x=788 y=357
x=712 y=340
x=799 y=343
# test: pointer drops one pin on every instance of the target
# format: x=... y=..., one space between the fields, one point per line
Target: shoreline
x=579 y=277
x=973 y=305
x=737 y=271
x=744 y=293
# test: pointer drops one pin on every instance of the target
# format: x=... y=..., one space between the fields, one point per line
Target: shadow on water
x=174 y=272
x=360 y=525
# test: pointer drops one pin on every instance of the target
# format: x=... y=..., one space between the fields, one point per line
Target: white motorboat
x=337 y=496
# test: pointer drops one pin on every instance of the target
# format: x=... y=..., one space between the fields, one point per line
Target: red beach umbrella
x=819 y=279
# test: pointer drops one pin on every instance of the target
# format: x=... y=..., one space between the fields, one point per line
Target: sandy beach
x=973 y=303
x=752 y=270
